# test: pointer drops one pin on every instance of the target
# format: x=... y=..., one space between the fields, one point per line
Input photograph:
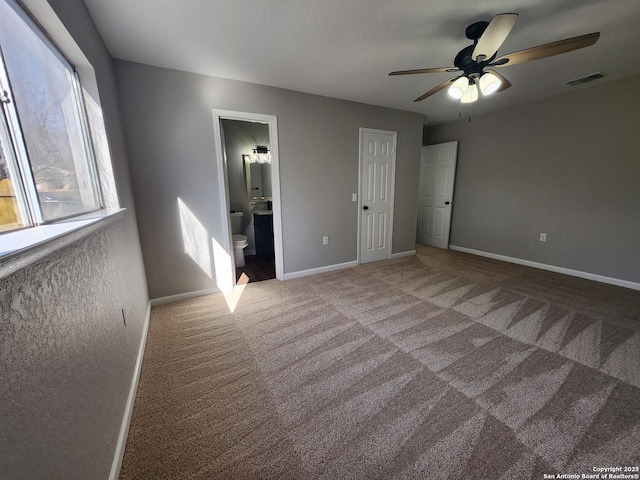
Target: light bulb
x=457 y=88
x=489 y=83
x=470 y=94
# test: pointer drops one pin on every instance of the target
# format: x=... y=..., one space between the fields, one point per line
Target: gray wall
x=240 y=138
x=168 y=120
x=568 y=166
x=66 y=358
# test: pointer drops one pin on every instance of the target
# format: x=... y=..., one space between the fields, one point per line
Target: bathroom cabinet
x=263 y=227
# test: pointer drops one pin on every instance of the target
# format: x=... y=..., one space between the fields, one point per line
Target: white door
x=437 y=174
x=377 y=179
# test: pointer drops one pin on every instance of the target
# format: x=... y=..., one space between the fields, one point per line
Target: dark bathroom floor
x=257 y=268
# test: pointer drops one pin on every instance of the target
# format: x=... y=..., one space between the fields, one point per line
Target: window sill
x=25 y=247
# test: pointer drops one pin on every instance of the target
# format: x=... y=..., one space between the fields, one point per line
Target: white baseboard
x=408 y=253
x=182 y=296
x=552 y=268
x=128 y=411
x=249 y=252
x=313 y=271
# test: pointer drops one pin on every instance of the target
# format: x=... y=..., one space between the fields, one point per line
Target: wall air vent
x=587 y=79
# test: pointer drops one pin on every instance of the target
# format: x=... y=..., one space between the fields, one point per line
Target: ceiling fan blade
x=425 y=70
x=504 y=83
x=548 y=50
x=494 y=35
x=443 y=85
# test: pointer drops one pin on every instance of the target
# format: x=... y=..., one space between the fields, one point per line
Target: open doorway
x=248 y=153
x=248 y=167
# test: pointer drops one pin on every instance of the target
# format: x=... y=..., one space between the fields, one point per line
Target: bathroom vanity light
x=261 y=154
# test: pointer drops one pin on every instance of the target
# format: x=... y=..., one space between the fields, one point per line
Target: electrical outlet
x=325 y=240
x=354 y=197
x=124 y=317
x=543 y=237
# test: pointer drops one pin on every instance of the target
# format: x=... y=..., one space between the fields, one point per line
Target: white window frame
x=15 y=148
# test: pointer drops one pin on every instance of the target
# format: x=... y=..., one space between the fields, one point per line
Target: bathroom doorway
x=248 y=168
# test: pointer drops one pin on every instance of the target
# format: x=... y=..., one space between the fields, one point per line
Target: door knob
x=365 y=208
x=447 y=203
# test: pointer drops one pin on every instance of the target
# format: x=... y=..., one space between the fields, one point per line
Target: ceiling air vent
x=587 y=79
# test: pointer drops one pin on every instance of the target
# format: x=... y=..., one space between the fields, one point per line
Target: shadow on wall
x=196 y=239
x=196 y=244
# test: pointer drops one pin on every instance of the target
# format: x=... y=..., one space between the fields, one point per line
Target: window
x=12 y=206
x=47 y=168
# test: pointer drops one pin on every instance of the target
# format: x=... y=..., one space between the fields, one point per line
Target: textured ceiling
x=346 y=48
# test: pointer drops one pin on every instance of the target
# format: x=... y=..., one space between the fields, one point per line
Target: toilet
x=240 y=241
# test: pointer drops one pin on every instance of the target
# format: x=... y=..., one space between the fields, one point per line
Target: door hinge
x=4 y=97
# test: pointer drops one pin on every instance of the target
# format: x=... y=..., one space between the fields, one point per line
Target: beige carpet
x=439 y=366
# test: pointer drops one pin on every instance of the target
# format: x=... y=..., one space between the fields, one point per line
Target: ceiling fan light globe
x=458 y=88
x=489 y=83
x=470 y=94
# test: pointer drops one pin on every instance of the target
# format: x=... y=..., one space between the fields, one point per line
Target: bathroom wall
x=240 y=138
x=168 y=120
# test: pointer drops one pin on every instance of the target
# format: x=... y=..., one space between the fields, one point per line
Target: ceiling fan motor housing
x=468 y=65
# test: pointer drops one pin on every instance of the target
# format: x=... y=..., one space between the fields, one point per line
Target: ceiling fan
x=473 y=61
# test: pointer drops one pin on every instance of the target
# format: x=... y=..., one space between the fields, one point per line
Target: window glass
x=11 y=215
x=44 y=92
